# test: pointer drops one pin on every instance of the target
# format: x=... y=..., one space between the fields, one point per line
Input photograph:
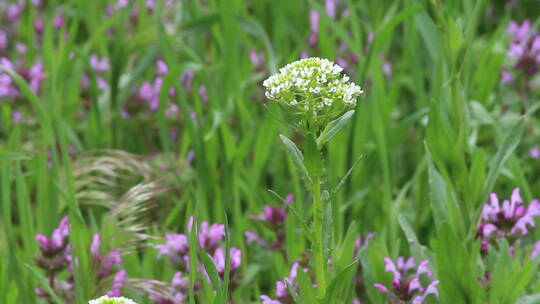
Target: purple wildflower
x=122 y=4
x=282 y=293
x=524 y=48
x=330 y=6
x=99 y=64
x=272 y=215
x=202 y=93
x=17 y=116
x=162 y=68
x=314 y=26
x=210 y=236
x=175 y=247
x=14 y=11
x=534 y=152
x=406 y=285
x=511 y=220
x=95 y=246
x=118 y=282
x=219 y=259
x=58 y=21
x=39 y=27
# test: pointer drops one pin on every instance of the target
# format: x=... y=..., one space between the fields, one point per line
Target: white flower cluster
x=312 y=84
x=114 y=300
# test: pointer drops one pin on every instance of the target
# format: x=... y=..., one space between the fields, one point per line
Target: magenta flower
x=118 y=282
x=314 y=26
x=175 y=247
x=406 y=285
x=58 y=21
x=219 y=259
x=122 y=4
x=282 y=293
x=162 y=68
x=202 y=93
x=524 y=48
x=14 y=11
x=95 y=245
x=99 y=64
x=512 y=220
x=330 y=6
x=272 y=215
x=534 y=152
x=57 y=242
x=210 y=236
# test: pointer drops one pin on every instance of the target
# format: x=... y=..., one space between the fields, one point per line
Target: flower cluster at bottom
x=176 y=247
x=406 y=284
x=56 y=257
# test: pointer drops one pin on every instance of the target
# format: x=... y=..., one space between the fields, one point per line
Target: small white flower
x=313 y=86
x=113 y=300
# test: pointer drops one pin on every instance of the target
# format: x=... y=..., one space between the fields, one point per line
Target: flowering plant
x=313 y=88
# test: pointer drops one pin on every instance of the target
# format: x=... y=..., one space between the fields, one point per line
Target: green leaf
x=307 y=291
x=296 y=156
x=12 y=156
x=339 y=284
x=418 y=250
x=201 y=24
x=511 y=140
x=455 y=269
x=211 y=270
x=333 y=128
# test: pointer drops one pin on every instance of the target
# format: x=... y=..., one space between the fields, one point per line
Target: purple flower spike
x=524 y=49
x=272 y=215
x=512 y=220
x=175 y=247
x=219 y=259
x=282 y=292
x=534 y=152
x=289 y=198
x=99 y=64
x=14 y=12
x=203 y=93
x=58 y=21
x=96 y=244
x=210 y=236
x=162 y=68
x=330 y=6
x=267 y=300
x=314 y=21
x=406 y=283
x=122 y=4
x=118 y=282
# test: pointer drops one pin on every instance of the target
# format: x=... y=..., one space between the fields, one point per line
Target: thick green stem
x=318 y=253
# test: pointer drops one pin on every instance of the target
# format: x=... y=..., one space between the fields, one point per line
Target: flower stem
x=318 y=253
